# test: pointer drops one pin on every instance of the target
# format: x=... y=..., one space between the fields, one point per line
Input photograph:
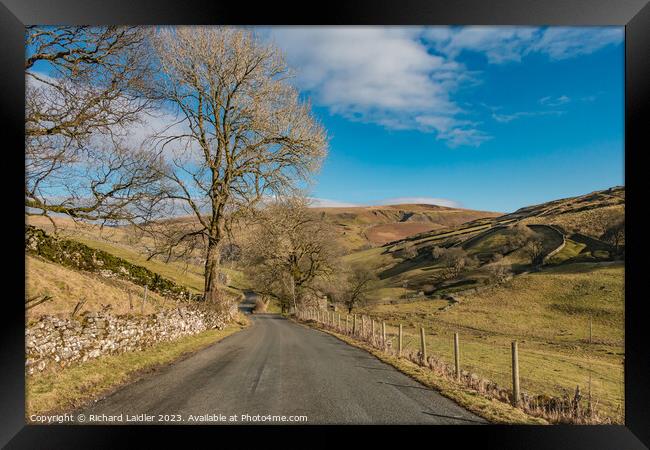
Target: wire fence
x=559 y=388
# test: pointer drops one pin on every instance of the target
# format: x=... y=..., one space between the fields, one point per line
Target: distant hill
x=589 y=214
x=366 y=226
x=570 y=230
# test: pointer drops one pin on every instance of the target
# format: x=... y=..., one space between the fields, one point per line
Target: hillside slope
x=549 y=313
x=366 y=226
x=569 y=229
x=574 y=290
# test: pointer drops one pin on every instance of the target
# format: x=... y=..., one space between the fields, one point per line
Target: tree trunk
x=211 y=287
x=293 y=291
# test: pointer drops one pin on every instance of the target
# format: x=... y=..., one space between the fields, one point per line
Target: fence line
x=555 y=408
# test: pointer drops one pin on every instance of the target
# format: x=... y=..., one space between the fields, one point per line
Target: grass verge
x=72 y=387
x=490 y=409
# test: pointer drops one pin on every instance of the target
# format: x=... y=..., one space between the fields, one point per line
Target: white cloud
x=554 y=101
x=568 y=42
x=316 y=202
x=506 y=118
x=421 y=201
x=456 y=132
x=510 y=44
x=406 y=78
x=383 y=75
x=328 y=203
x=499 y=44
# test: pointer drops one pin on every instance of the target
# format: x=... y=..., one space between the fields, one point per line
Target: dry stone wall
x=53 y=341
x=70 y=253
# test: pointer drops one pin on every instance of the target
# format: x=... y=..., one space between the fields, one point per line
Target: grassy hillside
x=548 y=312
x=546 y=306
x=68 y=286
x=119 y=242
x=366 y=226
x=577 y=222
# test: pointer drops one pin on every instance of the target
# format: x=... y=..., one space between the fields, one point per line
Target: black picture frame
x=633 y=14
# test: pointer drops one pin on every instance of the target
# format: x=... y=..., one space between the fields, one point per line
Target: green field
x=548 y=312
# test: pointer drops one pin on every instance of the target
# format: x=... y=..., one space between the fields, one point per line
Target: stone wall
x=53 y=341
x=73 y=254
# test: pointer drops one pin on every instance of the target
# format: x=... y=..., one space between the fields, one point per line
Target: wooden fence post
x=130 y=300
x=423 y=345
x=363 y=325
x=347 y=323
x=515 y=374
x=399 y=344
x=372 y=330
x=590 y=329
x=383 y=334
x=457 y=356
x=354 y=325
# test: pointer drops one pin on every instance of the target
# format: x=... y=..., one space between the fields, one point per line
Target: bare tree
x=245 y=133
x=409 y=251
x=516 y=237
x=291 y=253
x=454 y=261
x=359 y=282
x=437 y=252
x=498 y=273
x=534 y=249
x=615 y=235
x=85 y=86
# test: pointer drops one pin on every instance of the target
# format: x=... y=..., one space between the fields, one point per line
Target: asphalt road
x=279 y=368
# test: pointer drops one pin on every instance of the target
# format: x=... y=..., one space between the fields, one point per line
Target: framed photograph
x=406 y=215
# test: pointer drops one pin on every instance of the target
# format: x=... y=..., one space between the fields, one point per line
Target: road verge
x=57 y=391
x=494 y=411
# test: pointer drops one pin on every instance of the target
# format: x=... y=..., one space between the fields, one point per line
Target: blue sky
x=491 y=118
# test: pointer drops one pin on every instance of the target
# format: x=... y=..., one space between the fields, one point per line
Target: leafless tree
x=241 y=135
x=358 y=283
x=292 y=251
x=516 y=237
x=409 y=251
x=615 y=235
x=437 y=252
x=454 y=260
x=85 y=86
x=534 y=249
x=498 y=273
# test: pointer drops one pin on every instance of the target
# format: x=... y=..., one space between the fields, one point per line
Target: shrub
x=428 y=289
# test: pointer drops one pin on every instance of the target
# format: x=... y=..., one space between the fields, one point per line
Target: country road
x=277 y=367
